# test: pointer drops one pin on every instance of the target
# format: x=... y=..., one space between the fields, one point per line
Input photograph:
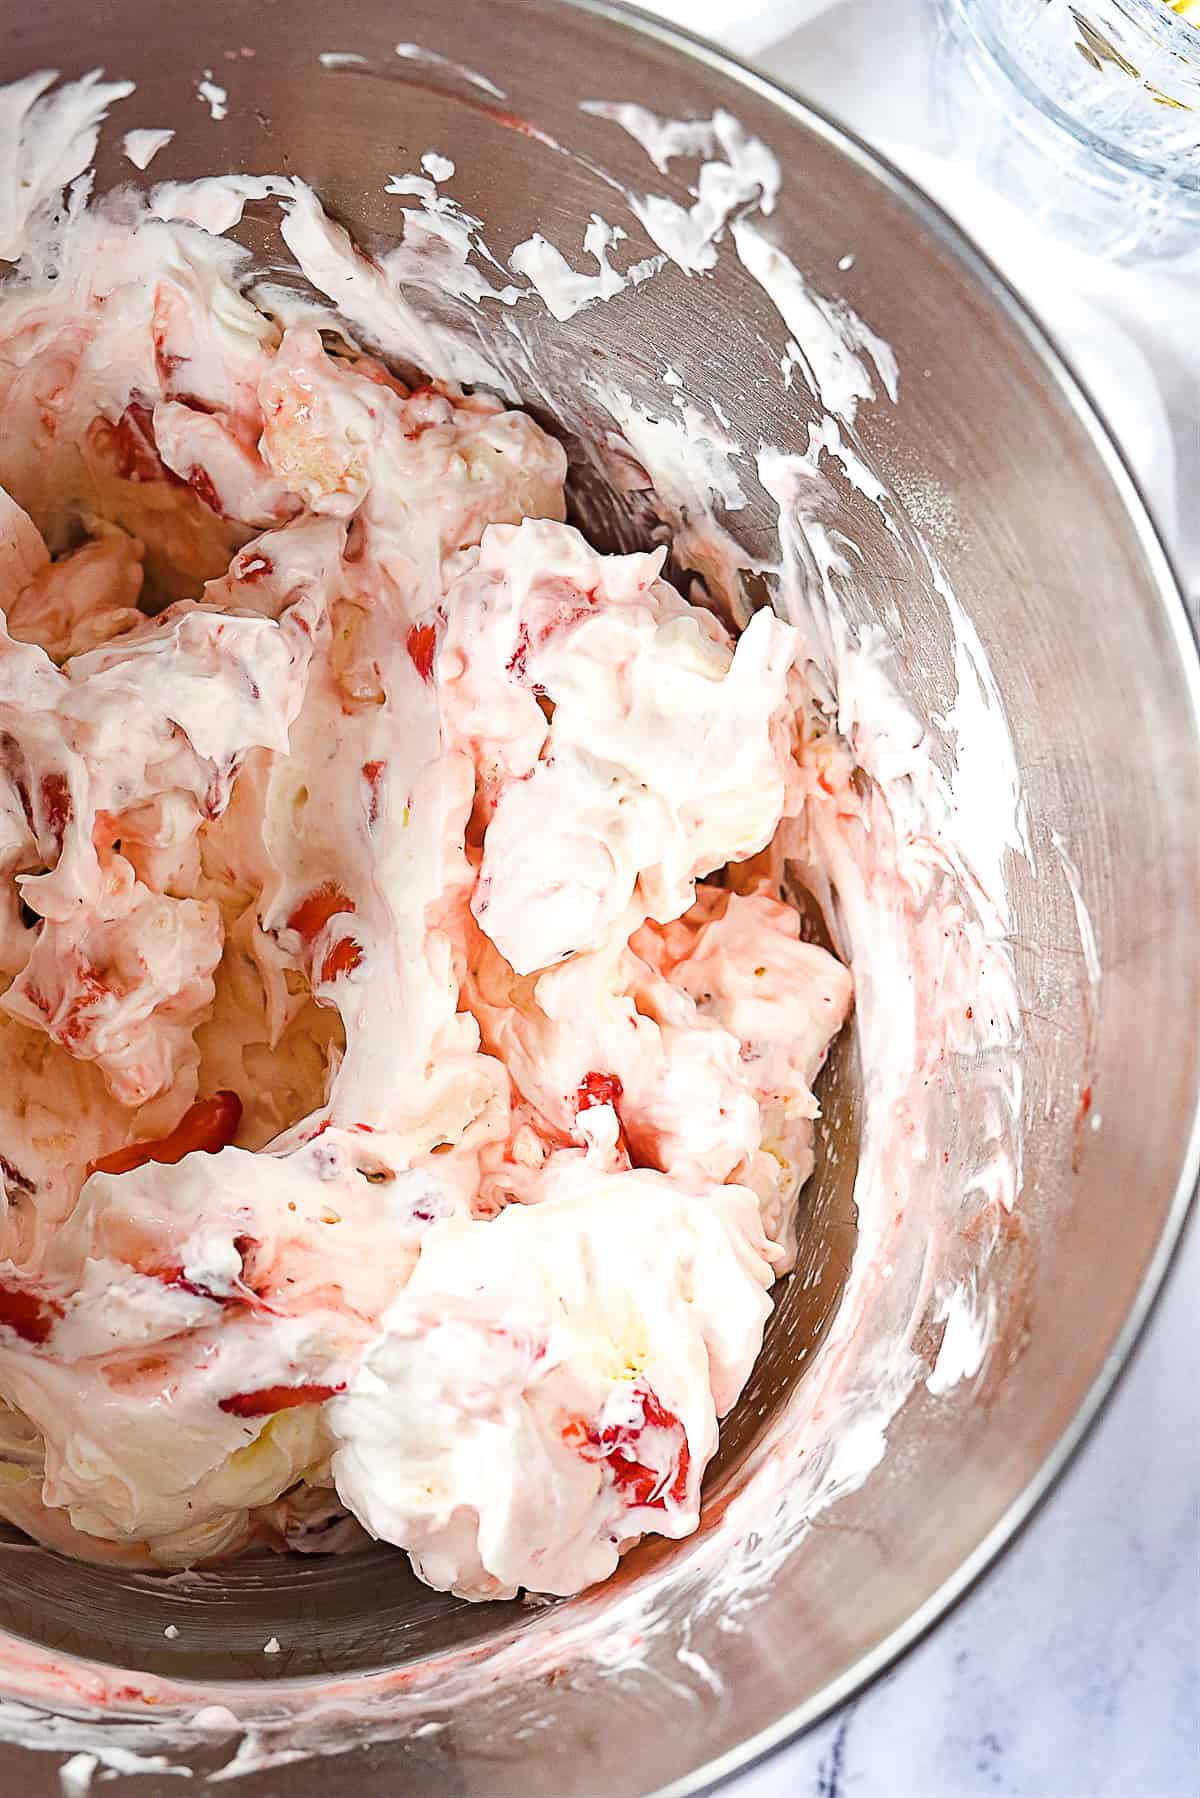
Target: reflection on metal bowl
x=647 y=1684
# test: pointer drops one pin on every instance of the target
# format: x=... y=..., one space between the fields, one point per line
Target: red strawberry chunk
x=27 y=1312
x=269 y=1399
x=421 y=644
x=56 y=805
x=209 y=1124
x=598 y=1089
x=130 y=444
x=254 y=566
x=201 y=484
x=342 y=958
x=312 y=914
x=618 y=1445
x=373 y=773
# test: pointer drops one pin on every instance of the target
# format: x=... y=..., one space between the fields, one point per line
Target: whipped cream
x=393 y=1128
x=909 y=827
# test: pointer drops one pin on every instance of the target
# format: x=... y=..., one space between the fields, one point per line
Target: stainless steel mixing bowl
x=1051 y=551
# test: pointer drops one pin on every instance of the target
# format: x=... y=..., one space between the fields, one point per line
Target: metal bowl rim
x=1185 y=634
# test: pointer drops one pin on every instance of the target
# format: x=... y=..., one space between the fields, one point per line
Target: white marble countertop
x=1073 y=1669
x=1070 y=1671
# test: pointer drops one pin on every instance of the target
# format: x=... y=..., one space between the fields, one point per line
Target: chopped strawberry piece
x=56 y=805
x=640 y=1485
x=268 y=1399
x=199 y=1290
x=598 y=1089
x=165 y=361
x=135 y=446
x=131 y=445
x=658 y=1417
x=254 y=567
x=373 y=773
x=207 y=1125
x=312 y=914
x=571 y=607
x=421 y=644
x=200 y=482
x=237 y=1293
x=617 y=1446
x=604 y=1089
x=29 y=1314
x=90 y=991
x=344 y=956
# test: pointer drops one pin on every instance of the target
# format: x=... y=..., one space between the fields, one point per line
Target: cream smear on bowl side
x=937 y=811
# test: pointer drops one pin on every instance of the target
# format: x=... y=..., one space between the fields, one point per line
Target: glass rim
x=1170 y=29
x=1180 y=35
x=1175 y=32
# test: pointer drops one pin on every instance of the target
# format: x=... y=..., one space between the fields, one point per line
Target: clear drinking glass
x=1085 y=114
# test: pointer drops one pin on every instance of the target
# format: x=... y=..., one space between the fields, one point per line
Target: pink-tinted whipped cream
x=402 y=1114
